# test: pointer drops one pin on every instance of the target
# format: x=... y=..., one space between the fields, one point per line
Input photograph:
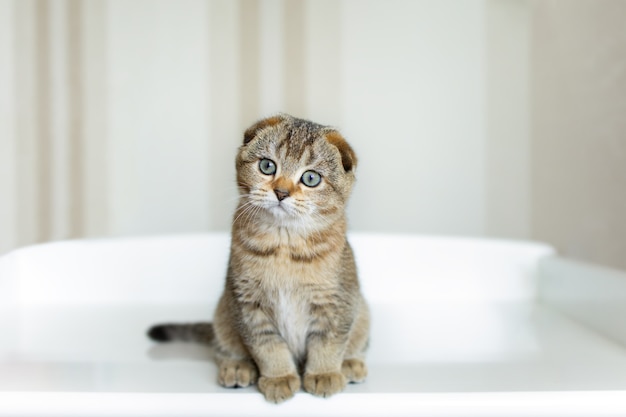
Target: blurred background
x=487 y=118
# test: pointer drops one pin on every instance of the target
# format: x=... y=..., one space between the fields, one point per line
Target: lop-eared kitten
x=291 y=313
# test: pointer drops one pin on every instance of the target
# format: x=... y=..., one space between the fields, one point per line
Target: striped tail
x=189 y=332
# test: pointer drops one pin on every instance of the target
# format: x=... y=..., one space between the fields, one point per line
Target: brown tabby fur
x=291 y=313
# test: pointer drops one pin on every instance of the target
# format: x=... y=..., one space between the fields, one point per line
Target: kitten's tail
x=189 y=332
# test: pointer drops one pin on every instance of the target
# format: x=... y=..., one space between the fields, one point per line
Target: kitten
x=291 y=305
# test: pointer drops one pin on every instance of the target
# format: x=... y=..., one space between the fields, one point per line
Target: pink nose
x=281 y=193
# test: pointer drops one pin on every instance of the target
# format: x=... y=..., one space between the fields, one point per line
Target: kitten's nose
x=281 y=193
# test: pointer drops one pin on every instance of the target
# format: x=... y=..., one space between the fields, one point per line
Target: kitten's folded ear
x=348 y=157
x=253 y=130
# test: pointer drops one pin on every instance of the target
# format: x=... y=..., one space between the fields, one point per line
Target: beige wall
x=507 y=176
x=579 y=128
x=123 y=118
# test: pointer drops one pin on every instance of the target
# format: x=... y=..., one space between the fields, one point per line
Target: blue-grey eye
x=311 y=179
x=267 y=166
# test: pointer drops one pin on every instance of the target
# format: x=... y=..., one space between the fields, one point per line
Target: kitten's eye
x=311 y=179
x=267 y=166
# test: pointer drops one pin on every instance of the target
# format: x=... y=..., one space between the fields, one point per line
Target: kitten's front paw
x=234 y=373
x=279 y=389
x=354 y=370
x=324 y=385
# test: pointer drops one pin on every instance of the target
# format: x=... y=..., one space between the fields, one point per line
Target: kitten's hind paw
x=279 y=389
x=237 y=373
x=324 y=385
x=354 y=370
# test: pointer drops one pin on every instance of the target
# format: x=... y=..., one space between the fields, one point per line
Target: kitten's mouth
x=280 y=208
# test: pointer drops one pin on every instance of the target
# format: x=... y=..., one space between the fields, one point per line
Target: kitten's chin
x=283 y=216
x=281 y=212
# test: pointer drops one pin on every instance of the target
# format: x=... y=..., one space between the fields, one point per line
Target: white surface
x=455 y=333
x=191 y=268
x=591 y=294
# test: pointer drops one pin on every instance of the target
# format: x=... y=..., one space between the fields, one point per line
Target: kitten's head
x=297 y=171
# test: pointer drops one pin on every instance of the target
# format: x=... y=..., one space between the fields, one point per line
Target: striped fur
x=291 y=313
x=193 y=332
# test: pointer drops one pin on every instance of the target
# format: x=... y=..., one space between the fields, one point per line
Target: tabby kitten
x=291 y=313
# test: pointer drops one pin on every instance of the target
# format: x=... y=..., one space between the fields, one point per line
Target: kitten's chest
x=292 y=318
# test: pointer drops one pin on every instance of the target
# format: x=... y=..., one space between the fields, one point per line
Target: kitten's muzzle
x=281 y=193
